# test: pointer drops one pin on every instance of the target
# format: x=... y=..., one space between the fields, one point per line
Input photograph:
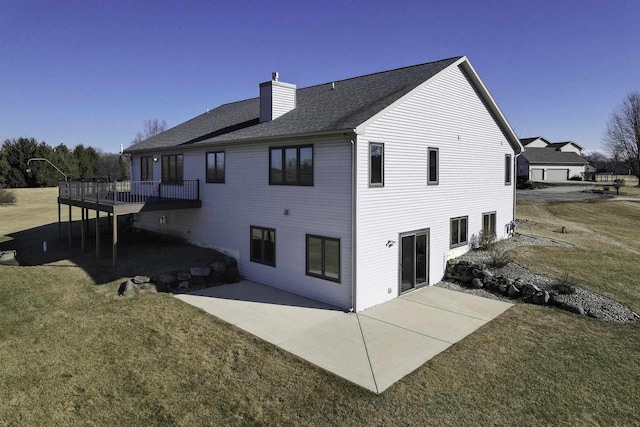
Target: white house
x=551 y=161
x=349 y=192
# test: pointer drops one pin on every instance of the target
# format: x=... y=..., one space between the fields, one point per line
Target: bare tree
x=151 y=128
x=622 y=136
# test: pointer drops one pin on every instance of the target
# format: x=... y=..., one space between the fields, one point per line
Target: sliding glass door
x=414 y=260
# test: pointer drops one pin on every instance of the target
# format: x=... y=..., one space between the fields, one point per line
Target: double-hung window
x=489 y=224
x=433 y=167
x=291 y=165
x=215 y=167
x=146 y=168
x=323 y=257
x=263 y=245
x=459 y=231
x=507 y=169
x=172 y=168
x=376 y=165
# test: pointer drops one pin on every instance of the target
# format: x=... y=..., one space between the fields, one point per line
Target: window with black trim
x=433 y=167
x=215 y=166
x=376 y=165
x=263 y=245
x=489 y=224
x=291 y=165
x=146 y=168
x=507 y=169
x=459 y=231
x=172 y=168
x=323 y=257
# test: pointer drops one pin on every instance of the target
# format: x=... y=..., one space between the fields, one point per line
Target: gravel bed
x=594 y=304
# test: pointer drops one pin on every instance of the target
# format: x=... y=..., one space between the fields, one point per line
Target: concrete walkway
x=373 y=348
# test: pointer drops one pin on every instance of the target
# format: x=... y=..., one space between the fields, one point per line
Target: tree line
x=80 y=163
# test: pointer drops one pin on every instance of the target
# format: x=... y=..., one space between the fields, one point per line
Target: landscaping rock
x=230 y=262
x=215 y=278
x=466 y=278
x=166 y=279
x=573 y=308
x=138 y=280
x=477 y=283
x=541 y=298
x=487 y=276
x=513 y=291
x=128 y=289
x=502 y=287
x=197 y=282
x=182 y=288
x=148 y=287
x=8 y=255
x=183 y=276
x=476 y=272
x=218 y=267
x=232 y=275
x=199 y=271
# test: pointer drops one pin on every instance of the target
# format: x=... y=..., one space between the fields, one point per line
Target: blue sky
x=89 y=72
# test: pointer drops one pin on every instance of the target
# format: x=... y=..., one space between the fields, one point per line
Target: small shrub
x=565 y=285
x=7 y=197
x=485 y=239
x=575 y=178
x=498 y=258
x=620 y=181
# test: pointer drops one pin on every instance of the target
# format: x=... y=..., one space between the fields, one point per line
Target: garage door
x=556 y=175
x=536 y=174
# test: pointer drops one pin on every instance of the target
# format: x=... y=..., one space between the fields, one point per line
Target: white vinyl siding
x=443 y=113
x=247 y=199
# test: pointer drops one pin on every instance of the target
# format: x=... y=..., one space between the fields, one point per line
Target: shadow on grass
x=139 y=253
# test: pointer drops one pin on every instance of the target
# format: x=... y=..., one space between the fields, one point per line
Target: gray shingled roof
x=319 y=109
x=550 y=155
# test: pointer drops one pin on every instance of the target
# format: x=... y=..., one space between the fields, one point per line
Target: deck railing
x=129 y=192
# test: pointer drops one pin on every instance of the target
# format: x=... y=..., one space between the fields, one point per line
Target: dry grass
x=73 y=353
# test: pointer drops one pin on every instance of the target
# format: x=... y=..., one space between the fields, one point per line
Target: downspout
x=354 y=169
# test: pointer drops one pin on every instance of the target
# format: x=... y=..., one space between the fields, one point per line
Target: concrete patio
x=373 y=348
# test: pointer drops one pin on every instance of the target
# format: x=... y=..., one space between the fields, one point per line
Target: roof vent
x=275 y=76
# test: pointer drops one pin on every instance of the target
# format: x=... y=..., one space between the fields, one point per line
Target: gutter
x=203 y=145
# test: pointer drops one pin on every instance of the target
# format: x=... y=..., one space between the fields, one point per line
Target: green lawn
x=73 y=353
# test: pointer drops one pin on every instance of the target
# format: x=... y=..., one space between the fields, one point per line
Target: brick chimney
x=276 y=98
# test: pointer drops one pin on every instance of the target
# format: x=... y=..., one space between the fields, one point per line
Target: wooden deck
x=121 y=198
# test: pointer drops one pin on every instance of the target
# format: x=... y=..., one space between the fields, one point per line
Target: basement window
x=459 y=231
x=263 y=245
x=323 y=257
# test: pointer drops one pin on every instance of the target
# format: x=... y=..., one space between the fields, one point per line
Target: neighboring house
x=542 y=160
x=349 y=192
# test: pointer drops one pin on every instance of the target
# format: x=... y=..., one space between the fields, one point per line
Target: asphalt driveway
x=569 y=192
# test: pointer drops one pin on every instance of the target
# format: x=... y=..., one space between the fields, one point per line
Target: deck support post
x=115 y=239
x=82 y=230
x=69 y=226
x=59 y=221
x=97 y=234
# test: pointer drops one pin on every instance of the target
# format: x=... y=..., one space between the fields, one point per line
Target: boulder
x=232 y=275
x=487 y=276
x=128 y=289
x=573 y=308
x=477 y=283
x=230 y=262
x=183 y=276
x=513 y=291
x=148 y=287
x=166 y=279
x=197 y=282
x=182 y=287
x=7 y=255
x=541 y=298
x=199 y=271
x=138 y=280
x=476 y=273
x=215 y=278
x=502 y=287
x=218 y=267
x=466 y=278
